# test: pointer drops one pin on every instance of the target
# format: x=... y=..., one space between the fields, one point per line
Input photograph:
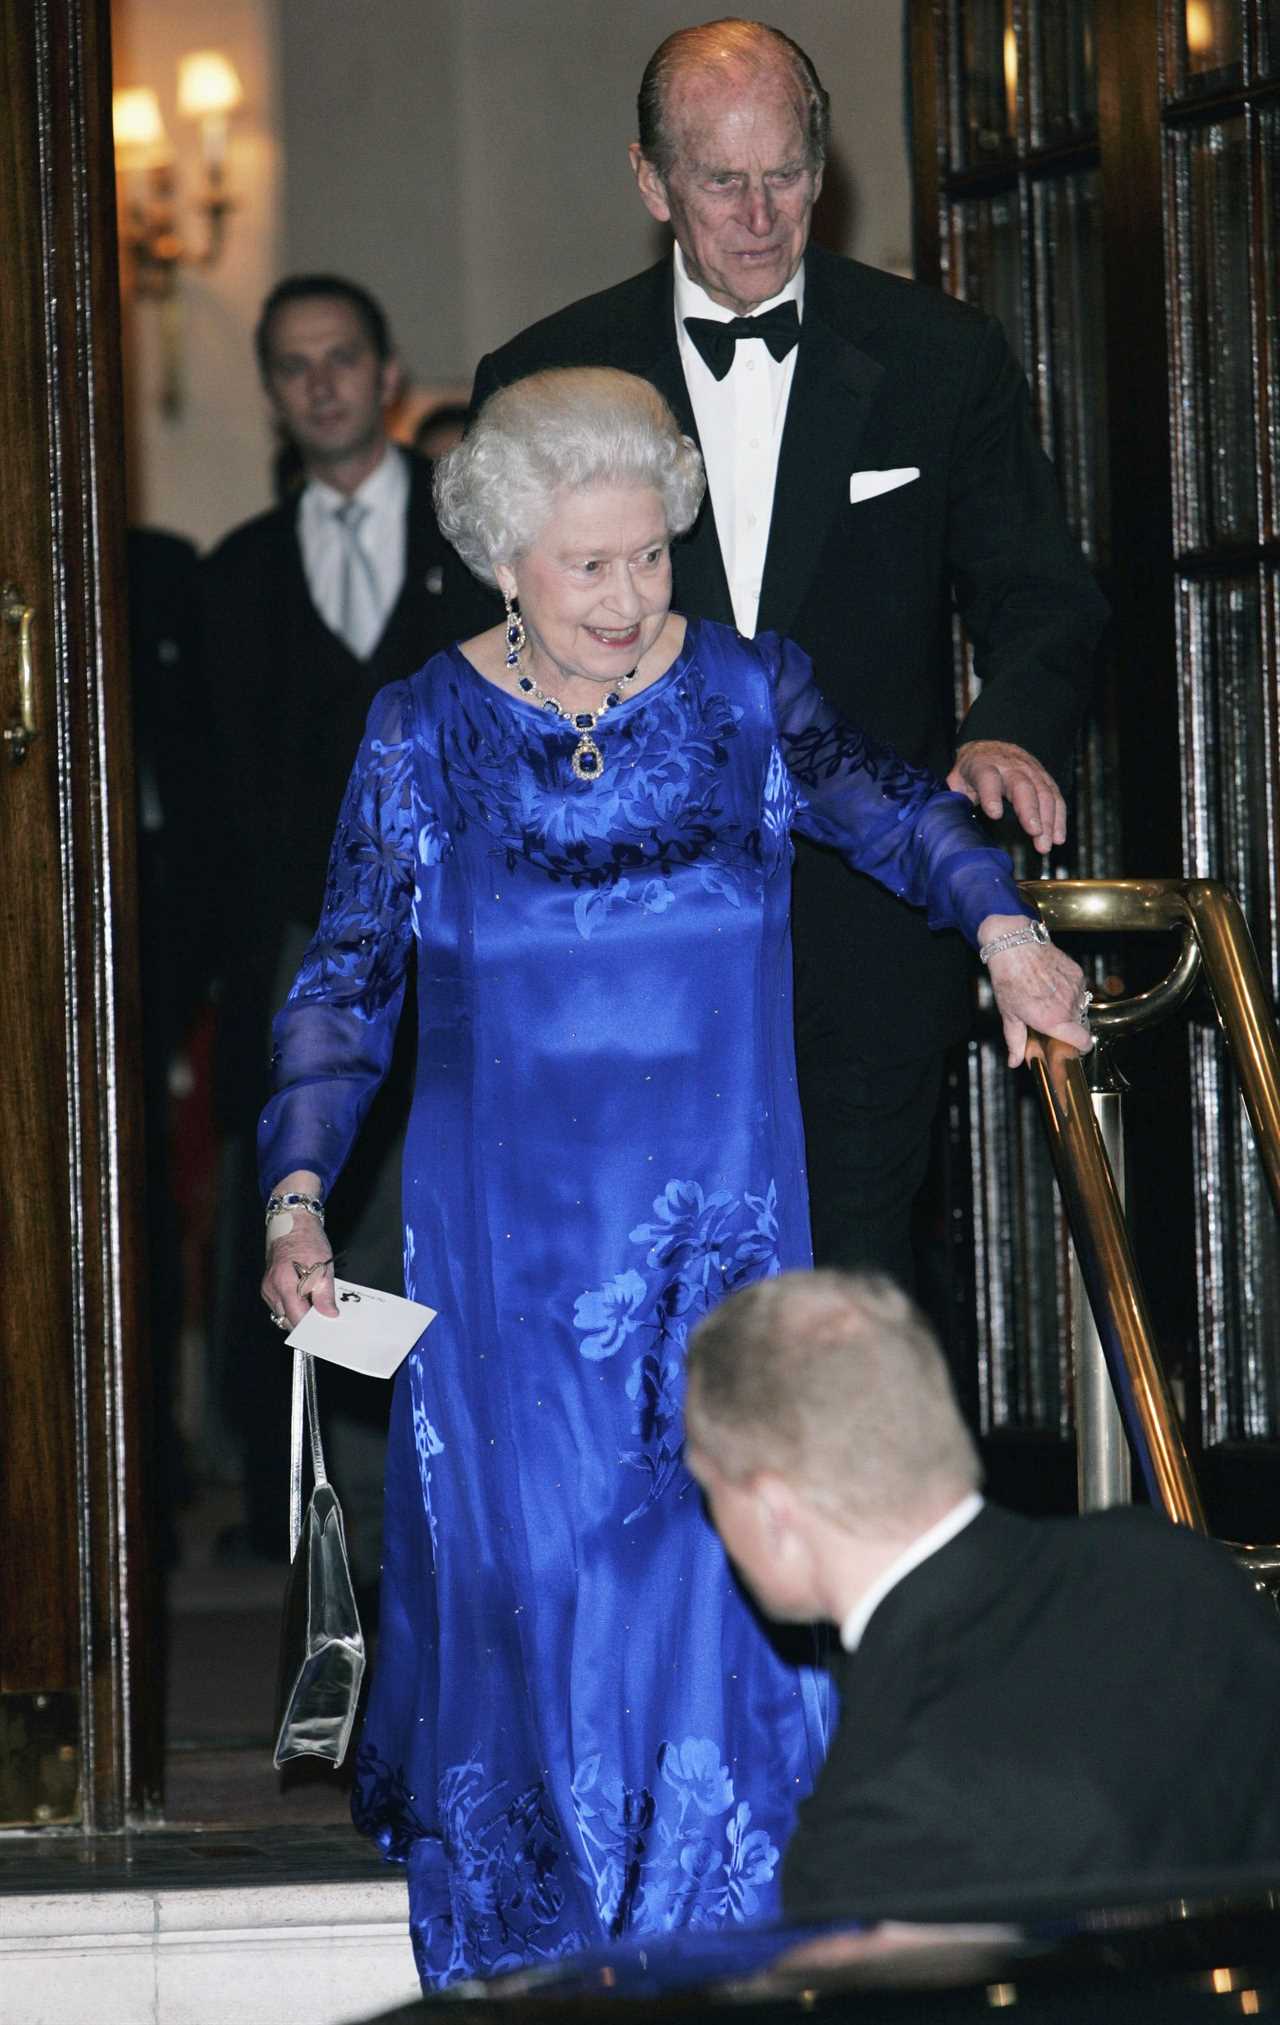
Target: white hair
x=566 y=430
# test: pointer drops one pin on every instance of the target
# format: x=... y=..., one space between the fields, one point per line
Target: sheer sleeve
x=332 y=1039
x=898 y=823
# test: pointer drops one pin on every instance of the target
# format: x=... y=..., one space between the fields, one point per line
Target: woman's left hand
x=1037 y=985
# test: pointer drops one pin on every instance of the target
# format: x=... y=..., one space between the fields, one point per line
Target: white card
x=374 y=1331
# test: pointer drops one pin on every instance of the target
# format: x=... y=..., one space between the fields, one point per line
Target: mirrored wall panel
x=1220 y=191
x=987 y=262
x=983 y=55
x=1071 y=363
x=1064 y=80
x=1216 y=462
x=1138 y=146
x=1020 y=228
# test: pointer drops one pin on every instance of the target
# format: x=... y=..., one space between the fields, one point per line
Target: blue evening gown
x=578 y=1727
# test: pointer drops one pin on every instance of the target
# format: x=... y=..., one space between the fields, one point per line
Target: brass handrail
x=1243 y=1006
x=1110 y=1274
x=1215 y=937
x=1206 y=911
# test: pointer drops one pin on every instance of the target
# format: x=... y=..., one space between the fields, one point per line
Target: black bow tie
x=779 y=327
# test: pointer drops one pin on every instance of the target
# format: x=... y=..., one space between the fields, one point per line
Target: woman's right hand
x=299 y=1268
x=1036 y=986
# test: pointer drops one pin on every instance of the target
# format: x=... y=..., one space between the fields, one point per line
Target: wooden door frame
x=76 y=1601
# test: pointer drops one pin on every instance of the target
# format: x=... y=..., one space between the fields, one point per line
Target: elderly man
x=1030 y=1708
x=870 y=458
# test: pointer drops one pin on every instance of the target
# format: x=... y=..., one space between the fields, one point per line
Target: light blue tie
x=360 y=603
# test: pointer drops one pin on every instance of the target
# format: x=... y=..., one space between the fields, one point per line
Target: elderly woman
x=580 y=823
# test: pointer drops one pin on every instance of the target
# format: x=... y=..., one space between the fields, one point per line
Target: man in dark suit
x=308 y=610
x=860 y=478
x=175 y=819
x=1032 y=1710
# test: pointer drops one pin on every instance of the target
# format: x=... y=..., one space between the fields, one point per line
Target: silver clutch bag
x=322 y=1646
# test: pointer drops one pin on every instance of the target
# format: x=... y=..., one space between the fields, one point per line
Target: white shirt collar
x=947 y=1527
x=692 y=299
x=384 y=490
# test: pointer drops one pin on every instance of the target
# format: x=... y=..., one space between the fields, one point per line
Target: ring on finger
x=304 y=1272
x=280 y=1319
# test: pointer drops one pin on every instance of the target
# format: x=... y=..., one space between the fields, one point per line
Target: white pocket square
x=866 y=484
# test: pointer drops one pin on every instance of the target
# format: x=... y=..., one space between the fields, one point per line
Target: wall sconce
x=208 y=91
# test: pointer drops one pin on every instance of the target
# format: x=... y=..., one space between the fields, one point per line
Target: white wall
x=200 y=472
x=547 y=196
x=465 y=159
x=479 y=147
x=371 y=184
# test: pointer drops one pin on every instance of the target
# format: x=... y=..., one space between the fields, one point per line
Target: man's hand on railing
x=1036 y=985
x=992 y=772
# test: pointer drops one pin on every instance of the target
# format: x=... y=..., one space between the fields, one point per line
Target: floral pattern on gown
x=578 y=1726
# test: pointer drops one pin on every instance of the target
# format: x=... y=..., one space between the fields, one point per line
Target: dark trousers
x=867 y=1142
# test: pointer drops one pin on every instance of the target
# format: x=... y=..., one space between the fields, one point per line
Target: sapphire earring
x=515 y=631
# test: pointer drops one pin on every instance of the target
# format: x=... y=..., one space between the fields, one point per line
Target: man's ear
x=778 y=1508
x=650 y=185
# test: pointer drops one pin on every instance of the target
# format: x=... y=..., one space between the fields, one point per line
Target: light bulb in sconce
x=208 y=90
x=1010 y=56
x=143 y=164
x=1200 y=28
x=136 y=126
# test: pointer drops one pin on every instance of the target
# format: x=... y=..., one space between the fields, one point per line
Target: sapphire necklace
x=587 y=760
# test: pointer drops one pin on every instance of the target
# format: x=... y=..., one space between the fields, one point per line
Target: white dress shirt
x=740 y=420
x=383 y=537
x=948 y=1526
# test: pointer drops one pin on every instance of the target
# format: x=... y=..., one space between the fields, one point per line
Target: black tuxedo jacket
x=1047 y=1710
x=889 y=375
x=288 y=701
x=176 y=809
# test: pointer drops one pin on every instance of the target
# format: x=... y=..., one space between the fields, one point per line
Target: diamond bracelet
x=1035 y=931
